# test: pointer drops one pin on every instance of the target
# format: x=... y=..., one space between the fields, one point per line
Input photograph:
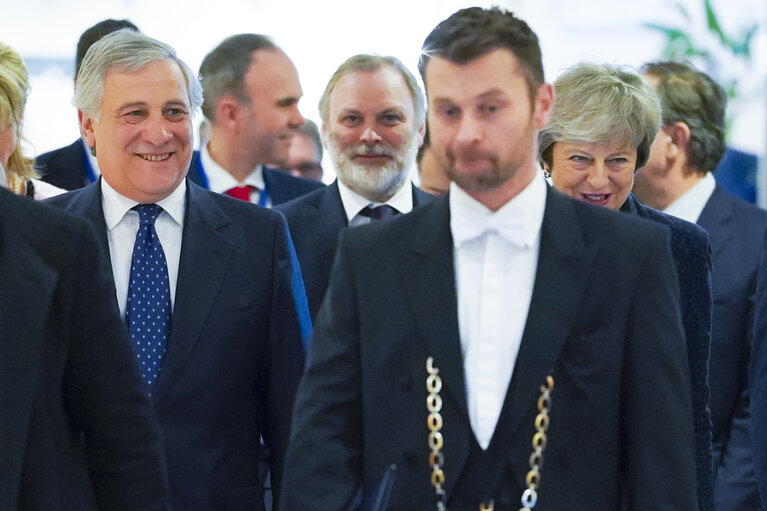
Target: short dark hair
x=223 y=70
x=95 y=33
x=692 y=97
x=473 y=32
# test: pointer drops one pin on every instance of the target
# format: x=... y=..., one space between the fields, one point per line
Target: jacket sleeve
x=657 y=410
x=323 y=466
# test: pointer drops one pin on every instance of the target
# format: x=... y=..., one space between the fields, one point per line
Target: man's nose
x=156 y=131
x=469 y=130
x=369 y=136
x=296 y=120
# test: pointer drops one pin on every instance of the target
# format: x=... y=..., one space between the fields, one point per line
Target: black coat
x=76 y=427
x=604 y=320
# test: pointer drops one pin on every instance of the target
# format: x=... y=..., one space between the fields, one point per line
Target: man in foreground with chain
x=505 y=312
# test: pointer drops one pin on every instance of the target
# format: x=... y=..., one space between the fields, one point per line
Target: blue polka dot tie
x=148 y=311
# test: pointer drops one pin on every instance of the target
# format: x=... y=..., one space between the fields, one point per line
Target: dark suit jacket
x=67 y=167
x=76 y=429
x=759 y=380
x=280 y=185
x=692 y=256
x=315 y=222
x=235 y=353
x=735 y=228
x=604 y=321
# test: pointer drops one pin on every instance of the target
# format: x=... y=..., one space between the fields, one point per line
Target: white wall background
x=319 y=35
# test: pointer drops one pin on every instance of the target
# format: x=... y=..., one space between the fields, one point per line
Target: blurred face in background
x=304 y=158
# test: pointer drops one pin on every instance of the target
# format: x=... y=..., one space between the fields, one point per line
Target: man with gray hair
x=251 y=101
x=206 y=285
x=373 y=121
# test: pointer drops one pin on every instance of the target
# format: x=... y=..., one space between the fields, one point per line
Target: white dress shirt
x=496 y=258
x=690 y=204
x=219 y=180
x=122 y=226
x=353 y=202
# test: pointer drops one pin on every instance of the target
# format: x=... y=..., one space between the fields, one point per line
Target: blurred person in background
x=73 y=166
x=250 y=98
x=305 y=154
x=678 y=179
x=19 y=176
x=601 y=128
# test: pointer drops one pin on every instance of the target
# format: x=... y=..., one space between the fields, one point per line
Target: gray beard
x=379 y=183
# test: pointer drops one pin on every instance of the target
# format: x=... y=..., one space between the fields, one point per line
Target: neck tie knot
x=148 y=213
x=381 y=212
x=240 y=192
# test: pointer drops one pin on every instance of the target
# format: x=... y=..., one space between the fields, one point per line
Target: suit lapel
x=564 y=258
x=87 y=204
x=428 y=282
x=202 y=267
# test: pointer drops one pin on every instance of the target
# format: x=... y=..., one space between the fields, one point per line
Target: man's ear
x=228 y=112
x=544 y=103
x=678 y=139
x=421 y=133
x=87 y=128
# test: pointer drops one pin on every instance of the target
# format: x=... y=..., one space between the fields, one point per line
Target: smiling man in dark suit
x=678 y=179
x=207 y=285
x=373 y=117
x=451 y=337
x=78 y=431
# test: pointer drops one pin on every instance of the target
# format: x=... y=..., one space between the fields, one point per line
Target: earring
x=546 y=174
x=93 y=150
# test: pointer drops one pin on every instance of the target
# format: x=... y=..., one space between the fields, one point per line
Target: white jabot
x=496 y=258
x=220 y=180
x=690 y=204
x=353 y=202
x=122 y=225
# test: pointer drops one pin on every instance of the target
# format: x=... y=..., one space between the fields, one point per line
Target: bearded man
x=373 y=121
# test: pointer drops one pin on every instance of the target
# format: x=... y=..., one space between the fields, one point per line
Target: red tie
x=240 y=192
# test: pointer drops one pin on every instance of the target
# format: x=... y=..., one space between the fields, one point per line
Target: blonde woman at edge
x=19 y=175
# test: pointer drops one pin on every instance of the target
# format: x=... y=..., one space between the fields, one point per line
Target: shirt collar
x=518 y=221
x=690 y=204
x=220 y=180
x=116 y=205
x=353 y=202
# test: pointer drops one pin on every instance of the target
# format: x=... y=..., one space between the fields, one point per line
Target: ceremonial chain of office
x=436 y=441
